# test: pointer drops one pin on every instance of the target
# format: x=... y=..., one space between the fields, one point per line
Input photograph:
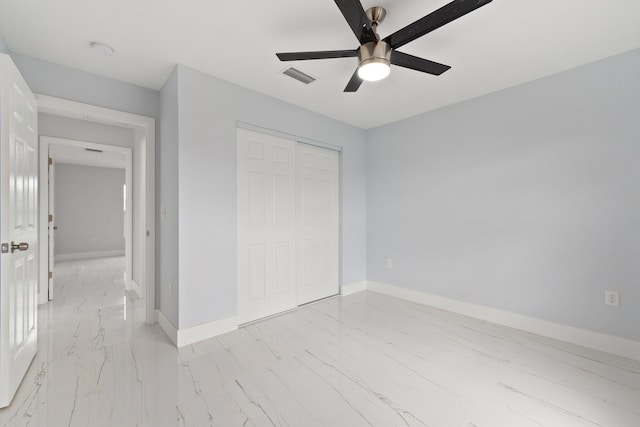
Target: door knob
x=55 y=227
x=19 y=247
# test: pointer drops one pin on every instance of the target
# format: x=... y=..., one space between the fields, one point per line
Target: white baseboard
x=352 y=288
x=595 y=340
x=206 y=330
x=167 y=327
x=182 y=337
x=135 y=287
x=89 y=255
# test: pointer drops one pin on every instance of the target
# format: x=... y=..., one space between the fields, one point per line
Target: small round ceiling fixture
x=101 y=48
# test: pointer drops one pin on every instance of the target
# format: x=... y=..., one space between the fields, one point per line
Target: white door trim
x=51 y=186
x=297 y=138
x=45 y=144
x=144 y=129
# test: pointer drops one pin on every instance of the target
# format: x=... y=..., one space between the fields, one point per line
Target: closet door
x=266 y=225
x=317 y=222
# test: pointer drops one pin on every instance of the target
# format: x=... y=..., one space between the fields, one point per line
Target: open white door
x=18 y=228
x=51 y=221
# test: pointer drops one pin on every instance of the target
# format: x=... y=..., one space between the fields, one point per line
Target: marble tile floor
x=362 y=360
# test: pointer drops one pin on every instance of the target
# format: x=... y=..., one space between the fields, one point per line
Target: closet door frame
x=243 y=315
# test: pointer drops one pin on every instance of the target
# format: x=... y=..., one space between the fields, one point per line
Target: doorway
x=95 y=219
x=142 y=198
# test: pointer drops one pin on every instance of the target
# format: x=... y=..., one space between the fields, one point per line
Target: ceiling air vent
x=298 y=75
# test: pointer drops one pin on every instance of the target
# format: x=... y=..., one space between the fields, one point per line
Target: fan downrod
x=376 y=15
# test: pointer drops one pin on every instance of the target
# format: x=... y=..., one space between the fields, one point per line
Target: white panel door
x=266 y=225
x=317 y=222
x=18 y=229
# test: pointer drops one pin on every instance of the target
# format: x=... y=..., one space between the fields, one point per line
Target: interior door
x=51 y=224
x=317 y=222
x=266 y=225
x=18 y=229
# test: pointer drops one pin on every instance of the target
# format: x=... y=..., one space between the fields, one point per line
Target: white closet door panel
x=256 y=198
x=257 y=263
x=283 y=262
x=317 y=225
x=266 y=227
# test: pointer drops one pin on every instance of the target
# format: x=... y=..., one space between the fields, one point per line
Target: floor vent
x=298 y=75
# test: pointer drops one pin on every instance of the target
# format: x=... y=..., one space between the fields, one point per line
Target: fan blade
x=301 y=56
x=433 y=21
x=354 y=83
x=419 y=64
x=357 y=19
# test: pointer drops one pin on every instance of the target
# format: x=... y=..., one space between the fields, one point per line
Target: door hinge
x=50 y=161
x=50 y=218
x=51 y=275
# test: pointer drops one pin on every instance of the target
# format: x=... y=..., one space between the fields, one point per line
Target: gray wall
x=82 y=130
x=167 y=240
x=3 y=45
x=88 y=209
x=525 y=200
x=51 y=79
x=209 y=111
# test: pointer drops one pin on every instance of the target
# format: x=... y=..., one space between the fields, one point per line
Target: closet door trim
x=297 y=138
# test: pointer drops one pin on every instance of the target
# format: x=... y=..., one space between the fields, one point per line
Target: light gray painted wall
x=167 y=240
x=208 y=113
x=525 y=200
x=82 y=130
x=88 y=209
x=3 y=45
x=47 y=78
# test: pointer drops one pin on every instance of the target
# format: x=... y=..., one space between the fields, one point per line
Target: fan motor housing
x=379 y=51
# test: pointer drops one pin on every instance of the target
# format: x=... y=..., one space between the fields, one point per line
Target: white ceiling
x=502 y=44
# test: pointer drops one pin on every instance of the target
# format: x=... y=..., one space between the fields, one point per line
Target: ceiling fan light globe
x=373 y=70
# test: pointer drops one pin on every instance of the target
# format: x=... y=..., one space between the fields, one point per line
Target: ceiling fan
x=375 y=55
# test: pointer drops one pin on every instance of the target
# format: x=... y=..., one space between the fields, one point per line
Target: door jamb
x=145 y=144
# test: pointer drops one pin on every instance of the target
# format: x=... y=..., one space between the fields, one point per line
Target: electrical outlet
x=93 y=241
x=170 y=288
x=612 y=298
x=389 y=263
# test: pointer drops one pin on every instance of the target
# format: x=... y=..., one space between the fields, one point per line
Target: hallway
x=94 y=352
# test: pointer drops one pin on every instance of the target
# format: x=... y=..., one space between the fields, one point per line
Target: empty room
x=328 y=213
